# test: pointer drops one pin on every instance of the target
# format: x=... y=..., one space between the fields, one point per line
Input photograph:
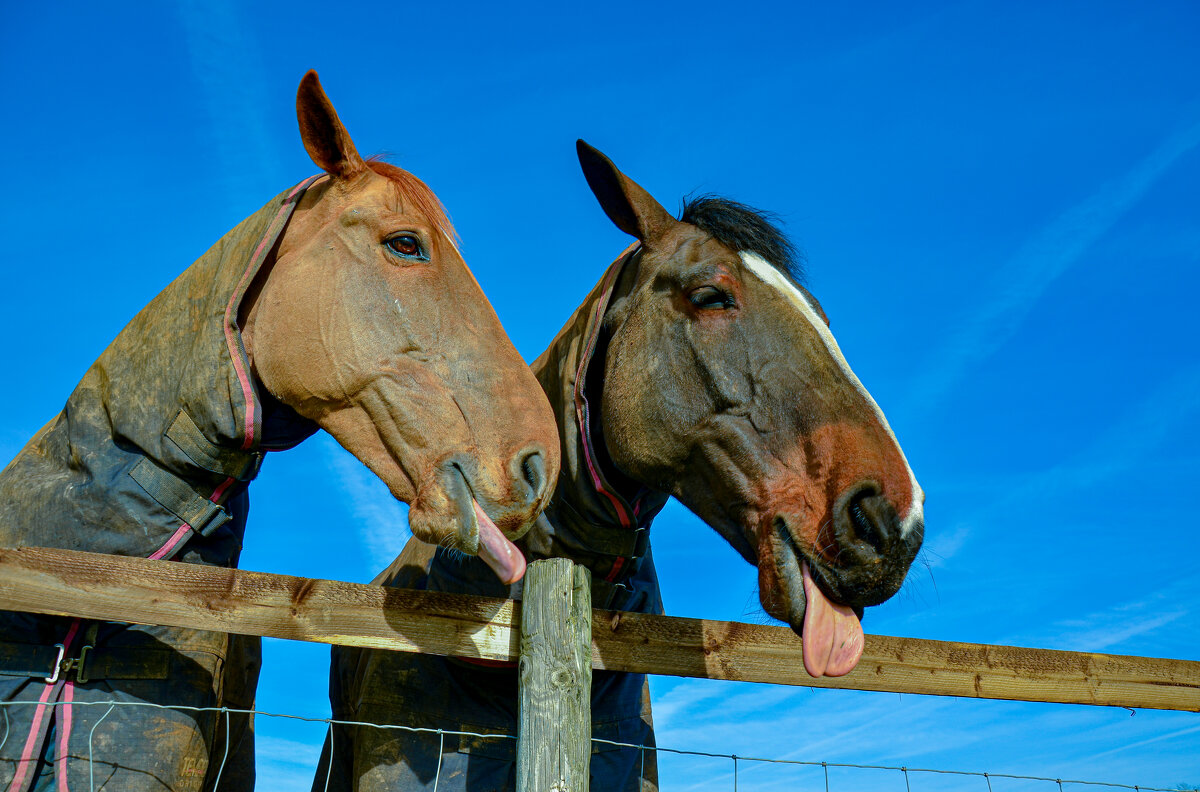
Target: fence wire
x=226 y=712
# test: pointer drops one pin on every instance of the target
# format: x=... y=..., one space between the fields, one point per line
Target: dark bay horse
x=343 y=304
x=700 y=368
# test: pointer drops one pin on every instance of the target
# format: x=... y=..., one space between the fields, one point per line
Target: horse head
x=724 y=387
x=370 y=325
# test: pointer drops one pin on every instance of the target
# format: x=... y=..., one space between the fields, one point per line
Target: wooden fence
x=94 y=586
x=115 y=588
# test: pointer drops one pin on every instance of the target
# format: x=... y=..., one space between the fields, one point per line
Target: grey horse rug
x=150 y=457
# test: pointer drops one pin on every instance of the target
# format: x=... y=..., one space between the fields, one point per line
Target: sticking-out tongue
x=497 y=552
x=833 y=636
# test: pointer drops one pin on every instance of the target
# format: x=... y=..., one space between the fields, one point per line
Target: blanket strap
x=177 y=497
x=236 y=464
x=118 y=662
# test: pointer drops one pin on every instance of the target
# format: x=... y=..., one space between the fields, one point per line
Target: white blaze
x=773 y=277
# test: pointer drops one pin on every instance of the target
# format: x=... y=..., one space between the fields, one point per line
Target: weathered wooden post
x=554 y=735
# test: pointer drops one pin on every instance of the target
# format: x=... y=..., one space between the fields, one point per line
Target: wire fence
x=911 y=775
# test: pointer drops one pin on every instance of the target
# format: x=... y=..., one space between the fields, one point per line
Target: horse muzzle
x=862 y=556
x=476 y=511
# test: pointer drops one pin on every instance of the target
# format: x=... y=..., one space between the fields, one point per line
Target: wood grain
x=554 y=734
x=65 y=582
x=116 y=588
x=759 y=653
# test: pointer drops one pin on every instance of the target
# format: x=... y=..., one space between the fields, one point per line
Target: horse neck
x=166 y=422
x=596 y=517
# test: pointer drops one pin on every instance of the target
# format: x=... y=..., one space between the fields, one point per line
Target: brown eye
x=405 y=245
x=710 y=298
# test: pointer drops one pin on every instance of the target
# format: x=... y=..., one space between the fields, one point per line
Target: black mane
x=742 y=227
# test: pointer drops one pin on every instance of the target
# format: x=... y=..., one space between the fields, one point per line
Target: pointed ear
x=631 y=208
x=325 y=139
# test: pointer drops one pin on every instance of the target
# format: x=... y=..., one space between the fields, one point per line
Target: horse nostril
x=866 y=518
x=870 y=529
x=862 y=524
x=533 y=470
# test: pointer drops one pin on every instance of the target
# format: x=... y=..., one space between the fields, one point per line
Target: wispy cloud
x=382 y=520
x=891 y=730
x=286 y=764
x=1127 y=444
x=1132 y=443
x=683 y=698
x=1173 y=735
x=1101 y=630
x=278 y=749
x=1043 y=259
x=940 y=547
x=1117 y=625
x=811 y=726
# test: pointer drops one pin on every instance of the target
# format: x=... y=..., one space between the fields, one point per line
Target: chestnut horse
x=698 y=368
x=344 y=305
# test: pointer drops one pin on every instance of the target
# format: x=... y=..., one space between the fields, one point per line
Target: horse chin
x=781 y=581
x=831 y=632
x=447 y=514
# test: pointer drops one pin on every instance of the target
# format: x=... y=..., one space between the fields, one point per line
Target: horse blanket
x=151 y=457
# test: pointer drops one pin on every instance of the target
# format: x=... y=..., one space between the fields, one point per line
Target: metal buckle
x=641 y=538
x=62 y=651
x=64 y=665
x=80 y=677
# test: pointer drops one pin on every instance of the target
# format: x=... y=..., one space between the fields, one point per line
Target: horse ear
x=631 y=208
x=325 y=139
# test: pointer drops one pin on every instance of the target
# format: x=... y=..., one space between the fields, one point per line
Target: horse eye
x=405 y=245
x=710 y=298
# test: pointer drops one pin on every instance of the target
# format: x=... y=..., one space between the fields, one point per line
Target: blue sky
x=999 y=204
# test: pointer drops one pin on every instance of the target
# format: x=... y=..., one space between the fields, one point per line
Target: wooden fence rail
x=116 y=588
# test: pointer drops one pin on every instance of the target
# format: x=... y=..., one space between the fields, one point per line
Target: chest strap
x=176 y=496
x=46 y=662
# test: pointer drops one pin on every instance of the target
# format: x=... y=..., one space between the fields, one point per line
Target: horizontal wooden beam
x=761 y=653
x=70 y=583
x=119 y=588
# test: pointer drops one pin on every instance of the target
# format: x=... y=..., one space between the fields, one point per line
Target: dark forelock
x=742 y=227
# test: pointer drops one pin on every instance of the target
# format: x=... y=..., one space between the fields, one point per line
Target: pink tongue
x=833 y=636
x=497 y=552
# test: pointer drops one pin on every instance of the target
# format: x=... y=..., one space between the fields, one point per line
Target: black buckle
x=213 y=518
